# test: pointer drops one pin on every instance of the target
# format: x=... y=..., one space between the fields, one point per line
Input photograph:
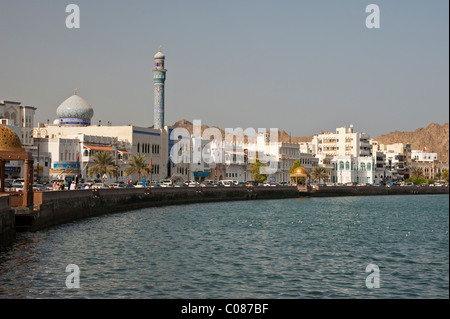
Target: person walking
x=73 y=186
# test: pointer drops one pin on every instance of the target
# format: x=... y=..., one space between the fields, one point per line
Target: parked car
x=39 y=188
x=207 y=184
x=227 y=183
x=17 y=187
x=165 y=183
x=125 y=185
x=139 y=185
x=192 y=183
x=100 y=186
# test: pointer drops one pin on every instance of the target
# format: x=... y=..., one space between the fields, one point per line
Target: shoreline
x=59 y=207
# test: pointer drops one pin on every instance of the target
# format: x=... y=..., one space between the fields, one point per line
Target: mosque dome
x=159 y=54
x=300 y=171
x=9 y=141
x=75 y=111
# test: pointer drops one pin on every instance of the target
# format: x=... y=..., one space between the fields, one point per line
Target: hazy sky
x=301 y=66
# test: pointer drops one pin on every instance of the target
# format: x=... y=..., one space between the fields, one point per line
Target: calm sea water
x=290 y=248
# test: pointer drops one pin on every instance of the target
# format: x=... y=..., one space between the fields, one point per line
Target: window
x=341 y=165
x=347 y=166
x=369 y=166
x=363 y=166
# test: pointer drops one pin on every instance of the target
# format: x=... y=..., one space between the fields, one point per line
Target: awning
x=124 y=152
x=99 y=148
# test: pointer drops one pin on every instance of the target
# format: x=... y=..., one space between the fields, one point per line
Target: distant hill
x=282 y=135
x=434 y=137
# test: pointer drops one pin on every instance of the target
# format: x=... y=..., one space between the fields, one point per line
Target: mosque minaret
x=159 y=78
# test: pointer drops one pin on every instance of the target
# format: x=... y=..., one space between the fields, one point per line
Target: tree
x=255 y=169
x=104 y=164
x=445 y=175
x=136 y=164
x=295 y=165
x=416 y=172
x=319 y=173
x=438 y=176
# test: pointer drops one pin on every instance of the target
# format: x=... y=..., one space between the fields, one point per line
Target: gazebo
x=11 y=150
x=300 y=179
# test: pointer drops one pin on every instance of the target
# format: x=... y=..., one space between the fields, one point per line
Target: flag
x=78 y=157
x=425 y=149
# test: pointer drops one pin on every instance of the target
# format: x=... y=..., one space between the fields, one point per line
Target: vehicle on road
x=100 y=186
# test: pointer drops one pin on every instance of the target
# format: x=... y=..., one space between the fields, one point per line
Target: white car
x=227 y=183
x=165 y=183
x=17 y=187
x=99 y=186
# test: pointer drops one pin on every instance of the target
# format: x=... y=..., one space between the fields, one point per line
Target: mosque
x=72 y=140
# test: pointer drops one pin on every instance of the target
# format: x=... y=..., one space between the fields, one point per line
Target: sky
x=299 y=66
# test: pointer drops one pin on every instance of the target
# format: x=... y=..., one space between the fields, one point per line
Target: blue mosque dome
x=75 y=111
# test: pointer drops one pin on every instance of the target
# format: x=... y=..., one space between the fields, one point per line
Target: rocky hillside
x=434 y=137
x=282 y=135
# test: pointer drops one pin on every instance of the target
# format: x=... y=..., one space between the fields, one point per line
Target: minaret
x=159 y=77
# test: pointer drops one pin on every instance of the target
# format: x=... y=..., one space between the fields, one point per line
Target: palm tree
x=416 y=172
x=136 y=164
x=104 y=164
x=319 y=172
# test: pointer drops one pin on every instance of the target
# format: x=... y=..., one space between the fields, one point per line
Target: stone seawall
x=53 y=208
x=7 y=222
x=376 y=190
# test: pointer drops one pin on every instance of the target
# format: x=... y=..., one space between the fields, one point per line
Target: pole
x=37 y=175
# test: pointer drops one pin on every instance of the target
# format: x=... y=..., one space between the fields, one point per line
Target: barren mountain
x=434 y=137
x=282 y=135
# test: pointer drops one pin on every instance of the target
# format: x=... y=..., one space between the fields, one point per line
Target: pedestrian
x=73 y=186
x=54 y=185
x=61 y=186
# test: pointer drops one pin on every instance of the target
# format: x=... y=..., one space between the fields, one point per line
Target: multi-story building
x=342 y=143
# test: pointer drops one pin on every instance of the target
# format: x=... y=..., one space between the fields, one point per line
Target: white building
x=20 y=119
x=423 y=156
x=344 y=142
x=357 y=170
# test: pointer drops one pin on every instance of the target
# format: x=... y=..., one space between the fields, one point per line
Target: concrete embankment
x=53 y=208
x=7 y=222
x=376 y=190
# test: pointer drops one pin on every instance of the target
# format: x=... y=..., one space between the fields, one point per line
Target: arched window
x=341 y=165
x=369 y=166
x=347 y=165
x=363 y=166
x=14 y=118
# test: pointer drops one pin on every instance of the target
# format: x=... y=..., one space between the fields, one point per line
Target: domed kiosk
x=75 y=111
x=11 y=150
x=299 y=178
